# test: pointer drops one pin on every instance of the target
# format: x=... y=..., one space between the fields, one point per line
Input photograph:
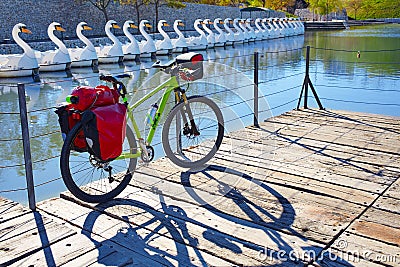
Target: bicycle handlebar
x=119 y=86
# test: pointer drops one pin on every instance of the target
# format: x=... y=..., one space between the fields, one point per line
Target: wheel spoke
x=88 y=178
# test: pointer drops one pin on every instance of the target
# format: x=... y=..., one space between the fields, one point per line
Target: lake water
x=344 y=79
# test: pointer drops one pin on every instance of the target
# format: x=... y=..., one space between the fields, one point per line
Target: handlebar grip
x=108 y=78
x=125 y=75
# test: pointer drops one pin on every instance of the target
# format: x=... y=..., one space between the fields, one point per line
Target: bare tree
x=169 y=3
x=136 y=3
x=100 y=5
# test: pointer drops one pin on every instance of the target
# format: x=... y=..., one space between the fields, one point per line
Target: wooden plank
x=298 y=179
x=308 y=169
x=304 y=145
x=107 y=258
x=316 y=216
x=91 y=257
x=349 y=116
x=132 y=234
x=343 y=141
x=321 y=161
x=328 y=125
x=60 y=253
x=394 y=190
x=341 y=149
x=309 y=181
x=384 y=233
x=386 y=218
x=390 y=201
x=332 y=125
x=27 y=234
x=368 y=249
x=10 y=209
x=210 y=238
x=218 y=221
x=388 y=204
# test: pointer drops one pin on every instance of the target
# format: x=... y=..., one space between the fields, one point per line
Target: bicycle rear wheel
x=193 y=132
x=91 y=180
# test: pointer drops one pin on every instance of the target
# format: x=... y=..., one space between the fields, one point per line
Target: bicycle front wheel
x=90 y=179
x=193 y=132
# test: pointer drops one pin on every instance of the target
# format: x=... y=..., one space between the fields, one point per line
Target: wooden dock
x=307 y=188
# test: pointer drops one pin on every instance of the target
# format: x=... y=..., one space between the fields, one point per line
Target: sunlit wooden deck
x=309 y=187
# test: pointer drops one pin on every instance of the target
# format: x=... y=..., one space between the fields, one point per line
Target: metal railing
x=255 y=114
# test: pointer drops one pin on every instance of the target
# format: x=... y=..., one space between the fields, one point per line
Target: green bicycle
x=192 y=133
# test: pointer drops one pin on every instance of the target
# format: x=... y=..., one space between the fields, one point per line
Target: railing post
x=256 y=90
x=27 y=146
x=306 y=81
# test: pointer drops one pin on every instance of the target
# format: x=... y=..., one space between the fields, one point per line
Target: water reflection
x=281 y=73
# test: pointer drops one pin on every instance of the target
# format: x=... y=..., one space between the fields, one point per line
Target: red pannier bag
x=104 y=129
x=84 y=97
x=81 y=99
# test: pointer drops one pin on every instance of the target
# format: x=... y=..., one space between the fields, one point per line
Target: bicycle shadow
x=139 y=244
x=137 y=230
x=273 y=228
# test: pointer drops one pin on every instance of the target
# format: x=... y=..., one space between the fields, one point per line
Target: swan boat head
x=163 y=46
x=113 y=53
x=19 y=65
x=179 y=22
x=21 y=28
x=87 y=56
x=54 y=60
x=180 y=42
x=148 y=45
x=129 y=24
x=131 y=50
x=230 y=36
x=111 y=24
x=220 y=38
x=211 y=35
x=197 y=42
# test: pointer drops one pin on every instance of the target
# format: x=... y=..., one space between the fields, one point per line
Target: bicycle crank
x=148 y=155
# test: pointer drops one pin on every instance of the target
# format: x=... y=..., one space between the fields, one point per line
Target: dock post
x=255 y=100
x=307 y=82
x=27 y=147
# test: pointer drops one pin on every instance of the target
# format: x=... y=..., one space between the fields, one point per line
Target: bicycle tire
x=86 y=179
x=193 y=151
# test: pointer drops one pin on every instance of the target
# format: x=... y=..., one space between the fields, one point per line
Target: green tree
x=324 y=7
x=354 y=5
x=273 y=4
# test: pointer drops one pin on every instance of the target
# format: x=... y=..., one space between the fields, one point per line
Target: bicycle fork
x=186 y=110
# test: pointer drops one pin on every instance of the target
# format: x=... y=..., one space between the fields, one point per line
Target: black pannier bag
x=67 y=118
x=105 y=129
x=191 y=66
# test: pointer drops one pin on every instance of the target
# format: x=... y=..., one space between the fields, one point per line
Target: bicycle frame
x=170 y=85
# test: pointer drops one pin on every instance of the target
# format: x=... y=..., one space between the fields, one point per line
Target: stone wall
x=307 y=14
x=38 y=14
